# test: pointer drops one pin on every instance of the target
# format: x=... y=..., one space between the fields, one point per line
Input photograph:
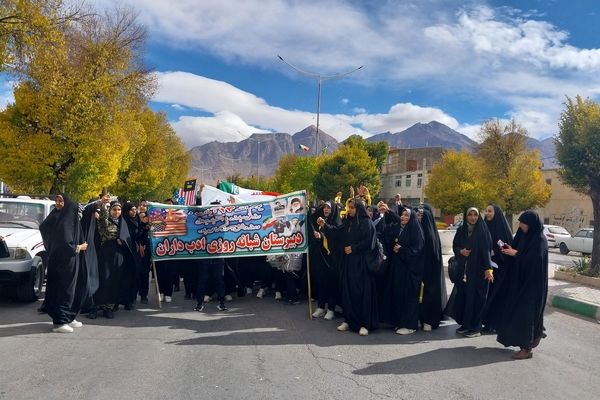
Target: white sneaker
x=228 y=297
x=319 y=312
x=343 y=327
x=363 y=331
x=207 y=299
x=405 y=331
x=278 y=296
x=63 y=329
x=261 y=293
x=330 y=315
x=248 y=290
x=75 y=324
x=427 y=327
x=168 y=299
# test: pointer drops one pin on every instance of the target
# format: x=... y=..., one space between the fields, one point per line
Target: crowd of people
x=99 y=259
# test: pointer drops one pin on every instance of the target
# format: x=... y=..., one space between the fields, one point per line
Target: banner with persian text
x=276 y=226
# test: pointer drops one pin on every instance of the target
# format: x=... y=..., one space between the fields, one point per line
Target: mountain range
x=260 y=153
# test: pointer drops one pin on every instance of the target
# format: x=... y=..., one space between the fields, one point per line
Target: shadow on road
x=439 y=360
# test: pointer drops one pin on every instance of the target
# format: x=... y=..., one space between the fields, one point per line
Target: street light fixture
x=320 y=79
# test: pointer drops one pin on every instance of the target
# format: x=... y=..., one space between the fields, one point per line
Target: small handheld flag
x=303 y=147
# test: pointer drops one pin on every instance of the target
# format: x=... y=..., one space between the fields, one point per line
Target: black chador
x=499 y=231
x=357 y=285
x=527 y=279
x=469 y=294
x=133 y=260
x=400 y=305
x=326 y=257
x=89 y=259
x=434 y=296
x=61 y=232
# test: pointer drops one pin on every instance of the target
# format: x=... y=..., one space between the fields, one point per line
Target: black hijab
x=61 y=230
x=499 y=228
x=133 y=224
x=412 y=231
x=431 y=234
x=526 y=242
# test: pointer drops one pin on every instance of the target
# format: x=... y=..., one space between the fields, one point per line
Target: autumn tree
x=457 y=182
x=348 y=165
x=295 y=173
x=510 y=170
x=578 y=152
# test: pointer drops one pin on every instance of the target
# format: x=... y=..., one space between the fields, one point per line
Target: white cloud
x=502 y=56
x=345 y=101
x=178 y=107
x=237 y=114
x=359 y=110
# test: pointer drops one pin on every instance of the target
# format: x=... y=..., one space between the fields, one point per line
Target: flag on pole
x=186 y=196
x=303 y=147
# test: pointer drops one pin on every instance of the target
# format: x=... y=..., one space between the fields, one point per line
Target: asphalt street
x=262 y=349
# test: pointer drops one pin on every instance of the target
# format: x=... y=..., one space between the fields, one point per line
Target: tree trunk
x=595 y=267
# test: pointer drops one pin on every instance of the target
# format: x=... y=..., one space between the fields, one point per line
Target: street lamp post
x=320 y=79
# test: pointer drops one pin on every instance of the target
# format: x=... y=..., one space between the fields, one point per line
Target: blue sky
x=458 y=62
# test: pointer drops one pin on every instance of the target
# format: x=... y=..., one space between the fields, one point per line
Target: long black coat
x=469 y=295
x=527 y=279
x=400 y=301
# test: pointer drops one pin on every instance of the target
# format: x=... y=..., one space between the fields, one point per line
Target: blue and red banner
x=277 y=226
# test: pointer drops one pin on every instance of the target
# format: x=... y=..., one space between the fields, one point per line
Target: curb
x=575 y=306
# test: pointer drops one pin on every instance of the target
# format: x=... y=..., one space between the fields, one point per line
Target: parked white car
x=25 y=266
x=555 y=234
x=582 y=242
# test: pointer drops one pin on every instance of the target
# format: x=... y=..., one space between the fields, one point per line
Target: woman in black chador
x=327 y=256
x=61 y=232
x=527 y=279
x=357 y=285
x=501 y=233
x=472 y=246
x=115 y=248
x=133 y=260
x=400 y=305
x=434 y=296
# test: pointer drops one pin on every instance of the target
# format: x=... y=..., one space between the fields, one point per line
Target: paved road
x=262 y=349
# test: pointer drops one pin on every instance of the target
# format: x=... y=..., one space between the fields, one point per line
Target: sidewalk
x=568 y=296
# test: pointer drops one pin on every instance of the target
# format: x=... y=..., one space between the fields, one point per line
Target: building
x=566 y=208
x=406 y=170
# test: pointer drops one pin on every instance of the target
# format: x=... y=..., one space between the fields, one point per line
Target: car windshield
x=558 y=230
x=25 y=215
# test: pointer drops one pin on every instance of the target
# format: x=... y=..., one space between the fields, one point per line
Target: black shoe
x=472 y=334
x=462 y=330
x=222 y=307
x=92 y=314
x=108 y=314
x=128 y=306
x=144 y=300
x=199 y=307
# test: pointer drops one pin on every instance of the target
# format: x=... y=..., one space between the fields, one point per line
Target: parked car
x=25 y=266
x=555 y=234
x=582 y=242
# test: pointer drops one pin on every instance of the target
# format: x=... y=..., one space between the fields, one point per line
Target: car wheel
x=564 y=249
x=31 y=289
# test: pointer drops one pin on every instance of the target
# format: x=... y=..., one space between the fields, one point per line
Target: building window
x=411 y=165
x=407 y=181
x=419 y=180
x=549 y=181
x=398 y=180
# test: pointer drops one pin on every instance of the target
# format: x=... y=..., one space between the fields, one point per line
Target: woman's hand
x=320 y=221
x=348 y=249
x=317 y=235
x=397 y=248
x=489 y=275
x=465 y=252
x=509 y=251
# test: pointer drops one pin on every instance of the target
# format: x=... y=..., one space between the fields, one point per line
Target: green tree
x=578 y=152
x=296 y=173
x=348 y=165
x=510 y=170
x=378 y=151
x=457 y=182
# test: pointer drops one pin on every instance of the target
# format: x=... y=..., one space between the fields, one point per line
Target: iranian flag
x=228 y=193
x=232 y=188
x=303 y=147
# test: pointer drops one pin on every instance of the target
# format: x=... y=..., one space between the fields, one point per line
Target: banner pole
x=156 y=284
x=309 y=287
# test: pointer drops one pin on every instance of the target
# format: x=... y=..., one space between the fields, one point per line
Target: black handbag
x=376 y=257
x=455 y=270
